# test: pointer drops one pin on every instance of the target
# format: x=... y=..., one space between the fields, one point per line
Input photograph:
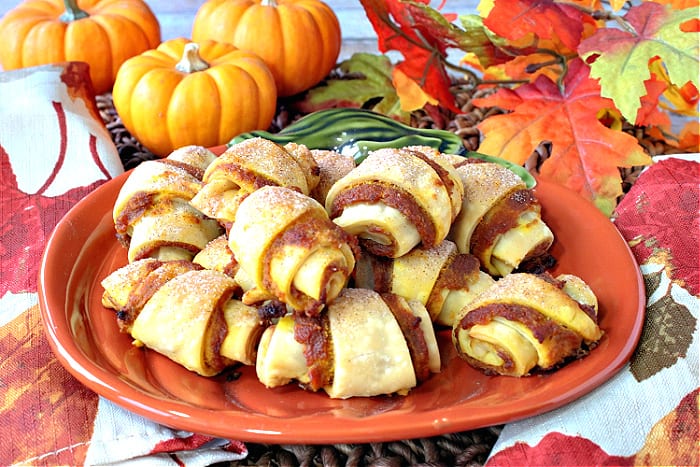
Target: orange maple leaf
x=585 y=155
x=678 y=4
x=689 y=139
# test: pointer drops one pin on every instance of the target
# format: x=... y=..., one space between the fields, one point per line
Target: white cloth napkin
x=54 y=150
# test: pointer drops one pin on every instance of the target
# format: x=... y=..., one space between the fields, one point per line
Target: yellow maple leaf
x=684 y=99
x=411 y=95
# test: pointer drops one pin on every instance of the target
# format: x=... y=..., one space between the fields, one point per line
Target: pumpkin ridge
x=167 y=108
x=299 y=40
x=35 y=35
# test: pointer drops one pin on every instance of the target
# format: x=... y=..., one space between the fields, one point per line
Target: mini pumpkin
x=185 y=93
x=298 y=39
x=103 y=33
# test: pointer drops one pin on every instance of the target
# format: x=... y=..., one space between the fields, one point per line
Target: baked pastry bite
x=332 y=167
x=152 y=213
x=500 y=221
x=397 y=199
x=364 y=344
x=217 y=255
x=528 y=322
x=290 y=250
x=251 y=164
x=441 y=278
x=184 y=312
x=128 y=288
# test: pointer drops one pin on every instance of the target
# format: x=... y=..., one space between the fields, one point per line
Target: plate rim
x=250 y=427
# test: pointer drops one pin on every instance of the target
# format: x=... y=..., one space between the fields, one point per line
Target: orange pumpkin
x=184 y=93
x=103 y=33
x=298 y=39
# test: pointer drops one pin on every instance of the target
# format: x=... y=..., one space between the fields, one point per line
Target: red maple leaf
x=649 y=112
x=26 y=223
x=545 y=19
x=422 y=38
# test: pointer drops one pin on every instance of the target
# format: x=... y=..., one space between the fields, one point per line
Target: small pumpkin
x=103 y=33
x=184 y=93
x=298 y=39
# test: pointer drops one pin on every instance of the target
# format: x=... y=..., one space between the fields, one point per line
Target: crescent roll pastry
x=246 y=166
x=152 y=214
x=500 y=220
x=396 y=199
x=527 y=322
x=184 y=312
x=365 y=344
x=128 y=288
x=441 y=278
x=332 y=167
x=217 y=255
x=288 y=247
x=194 y=159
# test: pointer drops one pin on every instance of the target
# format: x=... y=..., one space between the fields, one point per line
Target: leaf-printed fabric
x=54 y=150
x=646 y=414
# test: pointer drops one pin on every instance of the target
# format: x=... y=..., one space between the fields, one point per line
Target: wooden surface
x=175 y=17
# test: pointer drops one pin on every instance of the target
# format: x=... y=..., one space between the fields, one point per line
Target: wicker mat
x=469 y=448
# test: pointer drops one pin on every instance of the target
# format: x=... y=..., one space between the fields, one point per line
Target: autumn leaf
x=482 y=43
x=619 y=58
x=585 y=154
x=412 y=96
x=37 y=389
x=689 y=137
x=521 y=19
x=422 y=35
x=26 y=224
x=679 y=4
x=366 y=83
x=649 y=113
x=680 y=99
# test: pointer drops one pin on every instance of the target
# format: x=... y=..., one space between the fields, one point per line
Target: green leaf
x=480 y=41
x=368 y=81
x=620 y=58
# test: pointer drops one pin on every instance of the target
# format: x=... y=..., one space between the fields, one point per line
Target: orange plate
x=84 y=336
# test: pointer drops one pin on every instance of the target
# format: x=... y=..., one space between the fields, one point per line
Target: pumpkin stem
x=272 y=3
x=191 y=60
x=73 y=12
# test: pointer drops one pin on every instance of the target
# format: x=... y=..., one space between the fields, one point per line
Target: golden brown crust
x=396 y=199
x=152 y=214
x=524 y=323
x=391 y=196
x=314 y=333
x=500 y=221
x=129 y=288
x=248 y=166
x=440 y=278
x=217 y=255
x=193 y=336
x=332 y=167
x=412 y=332
x=291 y=250
x=502 y=217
